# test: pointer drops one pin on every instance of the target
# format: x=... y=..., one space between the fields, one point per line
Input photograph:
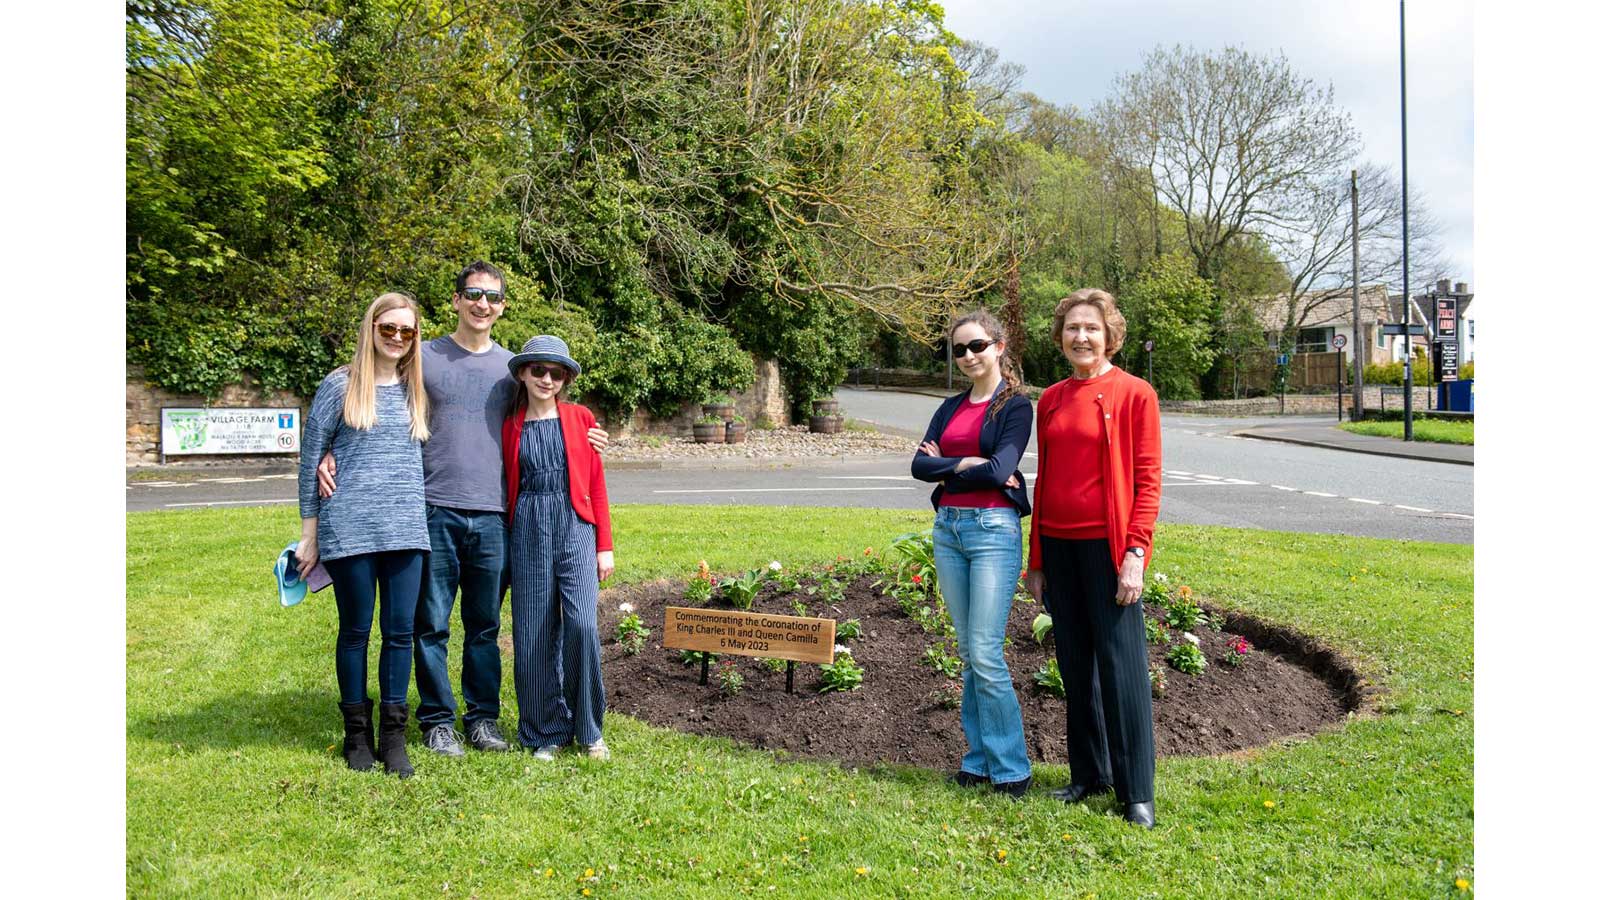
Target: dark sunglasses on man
x=960 y=350
x=473 y=294
x=391 y=331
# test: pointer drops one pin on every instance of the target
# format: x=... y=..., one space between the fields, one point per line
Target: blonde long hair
x=1010 y=378
x=361 y=393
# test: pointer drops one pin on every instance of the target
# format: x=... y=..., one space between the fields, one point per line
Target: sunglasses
x=391 y=331
x=554 y=373
x=976 y=347
x=474 y=294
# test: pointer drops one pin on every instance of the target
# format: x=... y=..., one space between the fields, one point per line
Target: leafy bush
x=843 y=674
x=729 y=681
x=1154 y=631
x=695 y=657
x=631 y=634
x=942 y=660
x=1158 y=682
x=1186 y=658
x=1048 y=678
x=1042 y=623
x=741 y=592
x=1183 y=613
x=847 y=630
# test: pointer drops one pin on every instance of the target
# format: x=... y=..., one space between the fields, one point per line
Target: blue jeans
x=978 y=554
x=469 y=551
x=357 y=582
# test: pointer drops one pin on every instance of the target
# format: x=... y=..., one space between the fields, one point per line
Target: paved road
x=1212 y=478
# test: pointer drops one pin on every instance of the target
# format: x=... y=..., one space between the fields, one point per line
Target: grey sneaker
x=597 y=750
x=443 y=740
x=547 y=753
x=484 y=734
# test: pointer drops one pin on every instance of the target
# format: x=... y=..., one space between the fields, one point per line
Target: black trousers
x=1100 y=648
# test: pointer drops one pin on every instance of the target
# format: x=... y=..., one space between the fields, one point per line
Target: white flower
x=1160 y=576
x=775 y=566
x=1191 y=638
x=626 y=608
x=840 y=648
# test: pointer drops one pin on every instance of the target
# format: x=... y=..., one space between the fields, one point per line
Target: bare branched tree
x=1232 y=140
x=1312 y=236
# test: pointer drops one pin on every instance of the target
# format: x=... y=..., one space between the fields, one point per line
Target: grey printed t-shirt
x=469 y=396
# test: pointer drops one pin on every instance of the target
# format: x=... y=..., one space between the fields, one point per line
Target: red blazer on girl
x=586 y=477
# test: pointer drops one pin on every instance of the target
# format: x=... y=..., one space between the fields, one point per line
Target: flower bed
x=905 y=706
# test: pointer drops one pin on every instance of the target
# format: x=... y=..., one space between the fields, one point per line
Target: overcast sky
x=1073 y=50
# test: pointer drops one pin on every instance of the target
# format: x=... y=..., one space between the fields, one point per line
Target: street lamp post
x=1405 y=225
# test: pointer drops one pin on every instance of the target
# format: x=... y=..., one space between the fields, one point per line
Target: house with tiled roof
x=1324 y=314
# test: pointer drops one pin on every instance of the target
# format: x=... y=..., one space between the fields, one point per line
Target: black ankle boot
x=358 y=753
x=392 y=738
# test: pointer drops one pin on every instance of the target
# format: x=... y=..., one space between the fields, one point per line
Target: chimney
x=1461 y=287
x=1444 y=286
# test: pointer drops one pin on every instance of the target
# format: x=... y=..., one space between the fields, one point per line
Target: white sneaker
x=598 y=750
x=547 y=752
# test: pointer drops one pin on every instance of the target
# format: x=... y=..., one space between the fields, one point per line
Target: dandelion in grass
x=861 y=871
x=1269 y=804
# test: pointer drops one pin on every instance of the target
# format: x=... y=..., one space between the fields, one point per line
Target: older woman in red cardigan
x=1094 y=512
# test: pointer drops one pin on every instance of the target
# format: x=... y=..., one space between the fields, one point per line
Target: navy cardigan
x=1002 y=441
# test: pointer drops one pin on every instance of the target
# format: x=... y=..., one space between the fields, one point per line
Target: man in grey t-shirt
x=469 y=395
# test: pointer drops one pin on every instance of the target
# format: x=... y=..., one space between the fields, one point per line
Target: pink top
x=960 y=438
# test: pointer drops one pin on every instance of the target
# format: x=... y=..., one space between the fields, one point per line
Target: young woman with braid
x=971 y=449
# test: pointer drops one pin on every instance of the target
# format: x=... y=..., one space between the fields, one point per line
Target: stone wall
x=1298 y=404
x=144 y=402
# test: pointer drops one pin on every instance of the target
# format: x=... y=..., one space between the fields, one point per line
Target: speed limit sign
x=1338 y=342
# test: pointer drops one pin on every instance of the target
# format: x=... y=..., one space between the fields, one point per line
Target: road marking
x=1178 y=472
x=1412 y=508
x=1359 y=500
x=781 y=490
x=1318 y=494
x=233 y=502
x=1198 y=484
x=1210 y=477
x=235 y=480
x=1282 y=488
x=1453 y=515
x=865 y=478
x=1030 y=453
x=153 y=484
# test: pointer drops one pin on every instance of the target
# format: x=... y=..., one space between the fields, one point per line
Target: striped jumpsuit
x=555 y=592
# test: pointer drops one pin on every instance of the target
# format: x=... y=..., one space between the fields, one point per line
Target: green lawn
x=234 y=786
x=1438 y=431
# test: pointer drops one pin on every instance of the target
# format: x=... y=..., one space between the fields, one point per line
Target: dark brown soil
x=1286 y=686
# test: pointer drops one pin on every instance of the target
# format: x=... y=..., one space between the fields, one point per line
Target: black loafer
x=1013 y=789
x=1077 y=793
x=964 y=778
x=1140 y=814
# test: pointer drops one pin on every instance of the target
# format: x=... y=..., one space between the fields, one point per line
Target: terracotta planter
x=709 y=433
x=723 y=411
x=735 y=433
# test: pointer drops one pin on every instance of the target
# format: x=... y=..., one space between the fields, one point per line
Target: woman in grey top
x=372 y=534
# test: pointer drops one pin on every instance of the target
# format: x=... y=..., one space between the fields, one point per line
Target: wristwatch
x=1137 y=551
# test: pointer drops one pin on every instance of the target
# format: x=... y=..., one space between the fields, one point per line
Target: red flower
x=916 y=579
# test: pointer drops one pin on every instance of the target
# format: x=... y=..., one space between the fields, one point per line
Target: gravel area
x=793 y=441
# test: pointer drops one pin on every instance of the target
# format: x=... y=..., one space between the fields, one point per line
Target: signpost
x=219 y=430
x=1338 y=344
x=1149 y=362
x=746 y=633
x=1445 y=332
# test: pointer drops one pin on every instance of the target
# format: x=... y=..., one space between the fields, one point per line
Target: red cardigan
x=585 y=474
x=1130 y=464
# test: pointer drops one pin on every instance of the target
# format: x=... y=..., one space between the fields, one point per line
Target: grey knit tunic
x=377 y=504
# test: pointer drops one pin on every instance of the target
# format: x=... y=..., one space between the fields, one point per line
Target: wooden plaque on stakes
x=747 y=633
